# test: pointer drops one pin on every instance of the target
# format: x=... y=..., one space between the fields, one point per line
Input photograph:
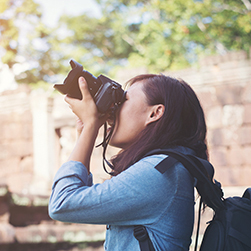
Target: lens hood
x=70 y=85
x=104 y=91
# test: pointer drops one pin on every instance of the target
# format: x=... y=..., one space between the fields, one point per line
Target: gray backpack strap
x=140 y=233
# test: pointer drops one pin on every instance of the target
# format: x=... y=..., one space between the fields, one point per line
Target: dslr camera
x=104 y=91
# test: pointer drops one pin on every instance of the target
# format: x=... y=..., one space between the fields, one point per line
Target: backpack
x=230 y=228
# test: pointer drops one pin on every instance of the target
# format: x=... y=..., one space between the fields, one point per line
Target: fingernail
x=81 y=80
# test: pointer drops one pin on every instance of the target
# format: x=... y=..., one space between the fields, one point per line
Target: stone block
x=8 y=166
x=244 y=135
x=220 y=176
x=246 y=95
x=228 y=176
x=245 y=175
x=247 y=113
x=230 y=136
x=218 y=156
x=20 y=181
x=214 y=117
x=232 y=115
x=12 y=131
x=235 y=156
x=21 y=147
x=26 y=117
x=224 y=136
x=26 y=164
x=15 y=148
x=220 y=59
x=27 y=132
x=7 y=233
x=247 y=155
x=229 y=94
x=5 y=151
x=207 y=97
x=215 y=137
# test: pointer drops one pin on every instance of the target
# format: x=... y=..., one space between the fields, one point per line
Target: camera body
x=104 y=90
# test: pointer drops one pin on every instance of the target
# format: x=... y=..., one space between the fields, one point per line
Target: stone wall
x=16 y=139
x=37 y=129
x=38 y=134
x=26 y=226
x=223 y=84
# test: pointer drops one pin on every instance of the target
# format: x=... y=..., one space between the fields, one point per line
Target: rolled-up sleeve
x=70 y=177
x=138 y=195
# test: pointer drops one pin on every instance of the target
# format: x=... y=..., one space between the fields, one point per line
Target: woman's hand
x=88 y=124
x=85 y=109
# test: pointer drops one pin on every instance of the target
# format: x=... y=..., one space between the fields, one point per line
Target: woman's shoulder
x=146 y=165
x=154 y=159
x=157 y=157
x=173 y=172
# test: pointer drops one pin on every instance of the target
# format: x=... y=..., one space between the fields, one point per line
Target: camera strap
x=105 y=142
x=117 y=100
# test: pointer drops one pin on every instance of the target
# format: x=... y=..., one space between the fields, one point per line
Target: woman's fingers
x=85 y=109
x=83 y=86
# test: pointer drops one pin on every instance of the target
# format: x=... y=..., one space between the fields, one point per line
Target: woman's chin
x=117 y=144
x=111 y=143
x=114 y=143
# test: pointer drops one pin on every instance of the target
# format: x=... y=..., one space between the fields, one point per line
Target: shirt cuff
x=73 y=168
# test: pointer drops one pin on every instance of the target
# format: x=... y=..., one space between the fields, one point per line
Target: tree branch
x=247 y=4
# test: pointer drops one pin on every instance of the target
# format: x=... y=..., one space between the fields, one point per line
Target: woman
x=159 y=112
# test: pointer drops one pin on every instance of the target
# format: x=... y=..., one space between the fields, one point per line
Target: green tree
x=157 y=34
x=26 y=43
x=160 y=34
x=97 y=42
x=14 y=15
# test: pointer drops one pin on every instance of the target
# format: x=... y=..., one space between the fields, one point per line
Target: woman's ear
x=155 y=113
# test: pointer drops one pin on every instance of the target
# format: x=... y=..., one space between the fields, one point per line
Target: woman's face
x=132 y=117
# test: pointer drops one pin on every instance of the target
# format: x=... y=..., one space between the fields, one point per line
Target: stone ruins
x=38 y=134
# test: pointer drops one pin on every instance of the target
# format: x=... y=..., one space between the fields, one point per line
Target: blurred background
x=205 y=42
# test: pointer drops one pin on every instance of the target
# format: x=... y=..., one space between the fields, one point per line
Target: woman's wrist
x=85 y=144
x=89 y=126
x=90 y=131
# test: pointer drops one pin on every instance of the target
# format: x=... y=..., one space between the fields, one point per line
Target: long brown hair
x=182 y=124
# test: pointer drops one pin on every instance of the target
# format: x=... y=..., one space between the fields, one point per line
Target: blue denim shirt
x=141 y=195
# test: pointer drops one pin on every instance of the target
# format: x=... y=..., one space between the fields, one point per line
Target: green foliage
x=26 y=43
x=13 y=13
x=160 y=34
x=97 y=43
x=157 y=34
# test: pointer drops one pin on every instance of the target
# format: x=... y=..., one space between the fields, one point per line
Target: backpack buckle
x=140 y=233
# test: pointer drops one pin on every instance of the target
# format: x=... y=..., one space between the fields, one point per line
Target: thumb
x=83 y=86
